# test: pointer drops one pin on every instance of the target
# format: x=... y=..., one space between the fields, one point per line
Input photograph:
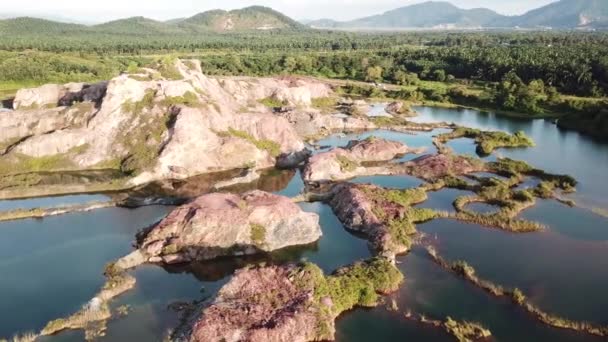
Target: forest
x=532 y=73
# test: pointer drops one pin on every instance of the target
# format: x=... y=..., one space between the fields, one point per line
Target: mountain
x=246 y=19
x=137 y=26
x=432 y=14
x=16 y=26
x=563 y=14
x=250 y=18
x=566 y=14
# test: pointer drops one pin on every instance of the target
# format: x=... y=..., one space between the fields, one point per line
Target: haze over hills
x=564 y=14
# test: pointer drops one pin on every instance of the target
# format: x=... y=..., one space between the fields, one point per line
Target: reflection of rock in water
x=179 y=191
x=270 y=181
x=220 y=268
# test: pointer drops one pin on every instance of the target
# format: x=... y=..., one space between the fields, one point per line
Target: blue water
x=45 y=202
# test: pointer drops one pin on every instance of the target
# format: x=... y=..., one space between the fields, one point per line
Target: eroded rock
x=221 y=224
x=345 y=163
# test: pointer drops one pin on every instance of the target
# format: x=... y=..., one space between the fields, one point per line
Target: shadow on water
x=51 y=267
x=562 y=276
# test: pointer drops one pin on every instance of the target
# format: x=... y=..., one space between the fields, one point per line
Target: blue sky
x=98 y=11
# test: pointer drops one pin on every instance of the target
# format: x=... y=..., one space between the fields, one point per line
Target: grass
x=509 y=167
x=325 y=104
x=258 y=234
x=346 y=164
x=272 y=147
x=487 y=142
x=20 y=163
x=356 y=285
x=466 y=331
x=167 y=68
x=189 y=99
x=272 y=102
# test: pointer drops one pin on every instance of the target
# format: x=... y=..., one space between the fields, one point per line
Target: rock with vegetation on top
x=385 y=216
x=165 y=122
x=223 y=224
x=431 y=167
x=345 y=163
x=289 y=303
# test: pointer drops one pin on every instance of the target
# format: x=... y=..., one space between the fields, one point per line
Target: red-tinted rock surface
x=345 y=163
x=440 y=165
x=221 y=224
x=259 y=305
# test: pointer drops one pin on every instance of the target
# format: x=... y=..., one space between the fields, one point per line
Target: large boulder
x=431 y=167
x=222 y=224
x=241 y=313
x=345 y=163
x=46 y=96
x=288 y=303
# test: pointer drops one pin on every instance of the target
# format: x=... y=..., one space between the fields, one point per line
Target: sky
x=100 y=11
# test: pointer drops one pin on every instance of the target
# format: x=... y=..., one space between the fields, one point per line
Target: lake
x=51 y=267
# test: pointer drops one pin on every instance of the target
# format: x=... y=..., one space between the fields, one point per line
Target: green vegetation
x=466 y=331
x=514 y=168
x=189 y=99
x=351 y=286
x=393 y=208
x=258 y=234
x=487 y=142
x=264 y=144
x=325 y=104
x=346 y=164
x=18 y=163
x=167 y=68
x=272 y=102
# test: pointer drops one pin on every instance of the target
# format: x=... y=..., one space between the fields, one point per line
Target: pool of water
x=562 y=275
x=51 y=267
x=45 y=202
x=395 y=182
x=482 y=208
x=557 y=151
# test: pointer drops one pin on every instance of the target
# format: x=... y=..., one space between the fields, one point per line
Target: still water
x=51 y=267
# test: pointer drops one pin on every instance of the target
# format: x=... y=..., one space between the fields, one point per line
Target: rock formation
x=345 y=163
x=289 y=303
x=171 y=122
x=221 y=224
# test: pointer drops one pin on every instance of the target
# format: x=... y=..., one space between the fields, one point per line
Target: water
x=395 y=182
x=45 y=202
x=556 y=151
x=51 y=267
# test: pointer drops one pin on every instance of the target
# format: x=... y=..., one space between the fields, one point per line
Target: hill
x=137 y=26
x=563 y=14
x=250 y=18
x=432 y=14
x=246 y=19
x=22 y=25
x=566 y=14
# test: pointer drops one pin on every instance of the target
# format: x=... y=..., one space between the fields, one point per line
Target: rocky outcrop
x=345 y=163
x=310 y=123
x=221 y=224
x=399 y=108
x=46 y=96
x=155 y=125
x=259 y=305
x=289 y=303
x=431 y=167
x=361 y=208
